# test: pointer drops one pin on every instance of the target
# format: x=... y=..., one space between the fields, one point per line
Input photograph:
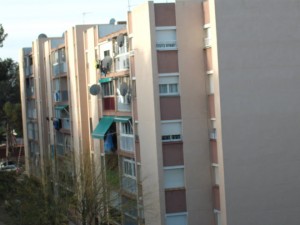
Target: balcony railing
x=59 y=68
x=30 y=91
x=207 y=42
x=65 y=123
x=60 y=96
x=129 y=184
x=28 y=71
x=124 y=103
x=166 y=45
x=31 y=113
x=122 y=62
x=213 y=134
x=127 y=142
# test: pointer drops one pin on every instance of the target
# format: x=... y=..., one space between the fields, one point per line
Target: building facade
x=192 y=105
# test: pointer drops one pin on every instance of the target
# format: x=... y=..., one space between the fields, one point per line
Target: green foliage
x=32 y=203
x=10 y=107
x=8 y=183
x=3 y=35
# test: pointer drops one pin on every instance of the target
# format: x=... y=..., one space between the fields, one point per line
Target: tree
x=29 y=202
x=3 y=35
x=98 y=192
x=10 y=108
x=95 y=199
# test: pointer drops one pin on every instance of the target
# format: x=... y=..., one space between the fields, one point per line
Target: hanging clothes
x=108 y=143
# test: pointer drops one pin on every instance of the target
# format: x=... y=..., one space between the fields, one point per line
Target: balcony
x=127 y=142
x=31 y=113
x=60 y=96
x=122 y=62
x=207 y=42
x=59 y=68
x=124 y=103
x=213 y=134
x=129 y=184
x=30 y=92
x=28 y=71
x=65 y=123
x=166 y=45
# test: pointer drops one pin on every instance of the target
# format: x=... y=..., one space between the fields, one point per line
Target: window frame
x=109 y=90
x=128 y=168
x=174 y=136
x=182 y=179
x=185 y=214
x=165 y=80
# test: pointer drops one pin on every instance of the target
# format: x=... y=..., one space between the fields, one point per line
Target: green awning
x=122 y=119
x=60 y=107
x=105 y=80
x=102 y=127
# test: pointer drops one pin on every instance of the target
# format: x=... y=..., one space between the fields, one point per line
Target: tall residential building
x=252 y=62
x=192 y=104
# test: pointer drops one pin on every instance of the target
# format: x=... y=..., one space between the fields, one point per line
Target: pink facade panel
x=175 y=201
x=172 y=154
x=129 y=18
x=167 y=61
x=206 y=12
x=165 y=15
x=213 y=151
x=170 y=108
x=216 y=197
x=211 y=103
x=208 y=59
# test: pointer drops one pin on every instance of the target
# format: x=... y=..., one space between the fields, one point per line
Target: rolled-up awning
x=102 y=127
x=60 y=107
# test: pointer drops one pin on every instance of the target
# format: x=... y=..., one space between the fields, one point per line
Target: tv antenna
x=83 y=16
x=128 y=5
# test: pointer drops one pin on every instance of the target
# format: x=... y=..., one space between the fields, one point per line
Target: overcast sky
x=25 y=20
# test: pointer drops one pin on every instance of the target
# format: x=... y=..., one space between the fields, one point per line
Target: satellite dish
x=123 y=89
x=42 y=36
x=112 y=21
x=94 y=89
x=120 y=40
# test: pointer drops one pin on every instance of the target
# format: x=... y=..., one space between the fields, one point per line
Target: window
x=126 y=137
x=213 y=129
x=217 y=214
x=106 y=53
x=168 y=84
x=174 y=177
x=176 y=219
x=129 y=168
x=107 y=88
x=171 y=130
x=129 y=175
x=216 y=179
x=211 y=88
x=166 y=38
x=207 y=39
x=126 y=128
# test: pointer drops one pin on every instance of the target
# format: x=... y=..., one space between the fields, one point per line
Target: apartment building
x=152 y=105
x=52 y=91
x=193 y=105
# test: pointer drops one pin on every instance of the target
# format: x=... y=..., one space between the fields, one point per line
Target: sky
x=23 y=20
